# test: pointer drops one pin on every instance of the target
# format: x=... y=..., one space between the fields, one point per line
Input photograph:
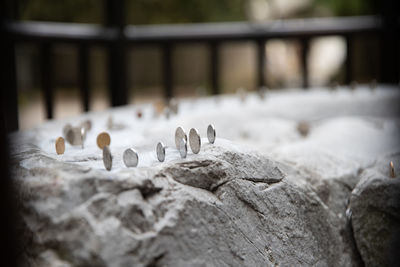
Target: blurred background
x=237 y=60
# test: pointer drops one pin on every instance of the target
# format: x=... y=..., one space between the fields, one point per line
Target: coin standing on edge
x=173 y=105
x=211 y=133
x=66 y=128
x=194 y=140
x=182 y=147
x=74 y=136
x=179 y=134
x=60 y=145
x=83 y=136
x=160 y=150
x=107 y=158
x=392 y=174
x=87 y=124
x=131 y=158
x=103 y=139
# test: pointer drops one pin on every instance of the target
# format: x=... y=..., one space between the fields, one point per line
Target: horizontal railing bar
x=63 y=32
x=290 y=28
x=243 y=30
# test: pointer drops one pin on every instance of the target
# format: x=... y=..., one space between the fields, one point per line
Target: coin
x=60 y=145
x=83 y=136
x=159 y=107
x=211 y=133
x=392 y=174
x=66 y=128
x=182 y=147
x=74 y=136
x=194 y=140
x=173 y=105
x=167 y=112
x=160 y=149
x=103 y=139
x=131 y=158
x=107 y=158
x=87 y=124
x=179 y=134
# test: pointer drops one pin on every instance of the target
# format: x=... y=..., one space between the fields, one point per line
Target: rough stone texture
x=249 y=215
x=268 y=196
x=375 y=207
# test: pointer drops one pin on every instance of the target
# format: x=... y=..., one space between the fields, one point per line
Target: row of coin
x=76 y=136
x=131 y=157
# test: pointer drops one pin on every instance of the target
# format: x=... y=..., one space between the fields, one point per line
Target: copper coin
x=107 y=158
x=194 y=141
x=159 y=107
x=211 y=133
x=60 y=145
x=179 y=134
x=103 y=139
x=392 y=174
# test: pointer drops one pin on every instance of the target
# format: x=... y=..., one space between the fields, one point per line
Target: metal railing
x=118 y=37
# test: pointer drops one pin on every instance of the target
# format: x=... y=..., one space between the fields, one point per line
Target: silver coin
x=87 y=124
x=179 y=134
x=167 y=112
x=182 y=147
x=107 y=158
x=211 y=133
x=66 y=128
x=160 y=149
x=131 y=158
x=83 y=136
x=74 y=136
x=173 y=105
x=194 y=140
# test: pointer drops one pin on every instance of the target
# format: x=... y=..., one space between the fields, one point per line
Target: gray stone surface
x=262 y=195
x=223 y=209
x=375 y=207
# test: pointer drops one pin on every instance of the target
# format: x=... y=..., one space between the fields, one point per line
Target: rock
x=220 y=166
x=226 y=206
x=284 y=205
x=375 y=207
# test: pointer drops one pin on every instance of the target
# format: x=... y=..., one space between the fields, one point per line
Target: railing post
x=117 y=67
x=46 y=70
x=390 y=41
x=261 y=63
x=9 y=93
x=84 y=75
x=9 y=101
x=214 y=62
x=349 y=59
x=167 y=71
x=305 y=42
